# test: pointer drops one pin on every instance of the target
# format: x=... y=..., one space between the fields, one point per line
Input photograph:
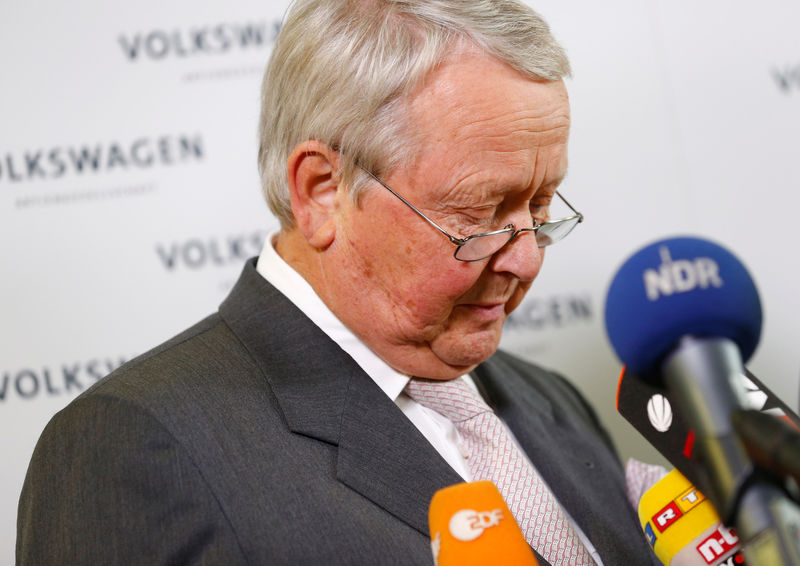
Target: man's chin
x=464 y=353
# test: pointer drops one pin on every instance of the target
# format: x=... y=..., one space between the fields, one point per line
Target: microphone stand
x=703 y=376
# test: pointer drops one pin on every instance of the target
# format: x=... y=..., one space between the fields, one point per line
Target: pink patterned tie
x=493 y=455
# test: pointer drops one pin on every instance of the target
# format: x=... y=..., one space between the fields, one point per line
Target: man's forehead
x=484 y=98
x=494 y=186
x=494 y=165
x=479 y=127
x=472 y=76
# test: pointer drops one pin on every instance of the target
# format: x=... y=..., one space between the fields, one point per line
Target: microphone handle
x=703 y=375
x=772 y=442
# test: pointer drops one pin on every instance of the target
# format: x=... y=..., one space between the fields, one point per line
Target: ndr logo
x=205 y=40
x=680 y=276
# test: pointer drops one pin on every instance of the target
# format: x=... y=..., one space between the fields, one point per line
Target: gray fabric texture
x=252 y=438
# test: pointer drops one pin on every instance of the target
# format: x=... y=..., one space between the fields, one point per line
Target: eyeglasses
x=481 y=246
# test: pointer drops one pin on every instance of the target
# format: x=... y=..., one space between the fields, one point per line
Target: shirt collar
x=285 y=279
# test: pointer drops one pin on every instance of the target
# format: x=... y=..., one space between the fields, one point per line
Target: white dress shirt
x=436 y=428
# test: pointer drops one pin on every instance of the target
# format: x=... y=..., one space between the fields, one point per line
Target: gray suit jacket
x=252 y=438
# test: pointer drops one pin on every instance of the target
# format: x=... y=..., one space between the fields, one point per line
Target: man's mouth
x=488 y=310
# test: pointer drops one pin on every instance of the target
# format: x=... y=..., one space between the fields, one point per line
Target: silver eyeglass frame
x=510 y=229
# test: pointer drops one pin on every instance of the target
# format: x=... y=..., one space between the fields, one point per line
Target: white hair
x=340 y=70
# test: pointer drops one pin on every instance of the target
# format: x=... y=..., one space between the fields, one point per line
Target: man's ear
x=313 y=184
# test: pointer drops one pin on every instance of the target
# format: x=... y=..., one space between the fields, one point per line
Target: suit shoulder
x=193 y=358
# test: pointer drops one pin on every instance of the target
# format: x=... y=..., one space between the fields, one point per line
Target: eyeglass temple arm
x=572 y=208
x=456 y=241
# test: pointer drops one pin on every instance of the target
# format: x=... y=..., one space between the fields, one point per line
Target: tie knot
x=452 y=398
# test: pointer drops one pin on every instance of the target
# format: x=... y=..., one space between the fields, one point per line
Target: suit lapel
x=552 y=447
x=568 y=454
x=385 y=458
x=324 y=394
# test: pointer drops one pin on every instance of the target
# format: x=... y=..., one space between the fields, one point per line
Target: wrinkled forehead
x=480 y=95
x=478 y=122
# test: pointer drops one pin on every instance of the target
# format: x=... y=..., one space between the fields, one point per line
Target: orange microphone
x=471 y=526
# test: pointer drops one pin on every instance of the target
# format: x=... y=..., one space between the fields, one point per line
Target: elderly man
x=411 y=150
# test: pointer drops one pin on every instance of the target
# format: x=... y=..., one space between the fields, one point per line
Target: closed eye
x=478 y=216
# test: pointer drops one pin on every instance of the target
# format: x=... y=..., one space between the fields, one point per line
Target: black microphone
x=685 y=313
x=652 y=411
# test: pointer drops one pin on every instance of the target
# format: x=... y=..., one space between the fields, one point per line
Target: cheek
x=429 y=296
x=418 y=267
x=435 y=285
x=408 y=266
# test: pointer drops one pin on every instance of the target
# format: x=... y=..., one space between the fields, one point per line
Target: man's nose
x=522 y=257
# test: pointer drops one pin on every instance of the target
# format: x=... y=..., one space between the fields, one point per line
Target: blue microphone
x=675 y=288
x=684 y=312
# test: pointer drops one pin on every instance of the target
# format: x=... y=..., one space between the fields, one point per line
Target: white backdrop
x=129 y=193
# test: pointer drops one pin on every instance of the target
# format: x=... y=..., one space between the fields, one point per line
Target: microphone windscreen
x=680 y=287
x=683 y=527
x=471 y=525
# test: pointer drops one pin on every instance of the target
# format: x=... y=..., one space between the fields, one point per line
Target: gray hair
x=341 y=69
